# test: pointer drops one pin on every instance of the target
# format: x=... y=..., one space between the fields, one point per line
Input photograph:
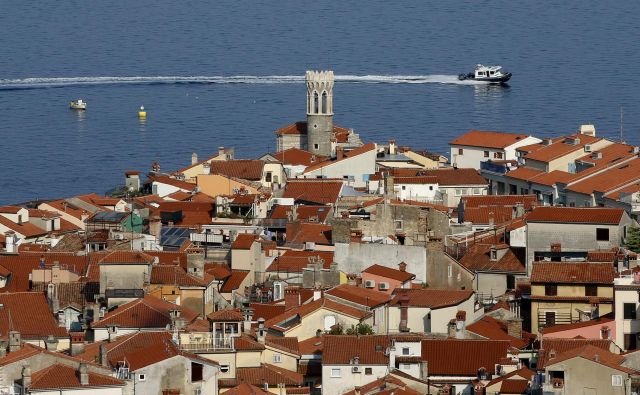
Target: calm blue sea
x=228 y=73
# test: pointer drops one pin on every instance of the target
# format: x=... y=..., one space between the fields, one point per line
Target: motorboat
x=490 y=74
x=78 y=104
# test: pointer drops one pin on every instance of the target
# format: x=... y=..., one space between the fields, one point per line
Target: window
x=316 y=146
x=497 y=155
x=616 y=380
x=398 y=224
x=431 y=189
x=551 y=290
x=458 y=192
x=277 y=358
x=486 y=154
x=368 y=371
x=142 y=377
x=550 y=318
x=630 y=342
x=405 y=351
x=602 y=234
x=404 y=187
x=335 y=372
x=224 y=367
x=590 y=290
x=268 y=176
x=629 y=311
x=196 y=372
x=476 y=191
x=460 y=151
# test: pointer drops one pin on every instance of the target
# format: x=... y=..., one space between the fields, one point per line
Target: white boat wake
x=47 y=82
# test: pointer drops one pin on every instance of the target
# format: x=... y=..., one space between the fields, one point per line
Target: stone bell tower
x=319 y=112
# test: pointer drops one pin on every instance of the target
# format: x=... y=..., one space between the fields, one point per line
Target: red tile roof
x=187 y=186
x=298 y=157
x=609 y=180
x=484 y=215
x=415 y=180
x=21 y=266
x=595 y=354
x=239 y=168
x=301 y=129
x=340 y=350
x=176 y=275
x=267 y=311
x=61 y=376
x=604 y=320
x=318 y=191
x=588 y=215
x=306 y=309
x=432 y=298
x=302 y=232
x=147 y=312
x=234 y=280
x=126 y=257
x=29 y=314
x=493 y=329
x=488 y=139
x=302 y=213
x=293 y=261
x=27 y=229
x=500 y=200
x=453 y=357
x=286 y=344
x=524 y=173
x=478 y=258
x=226 y=315
x=347 y=155
x=273 y=375
x=560 y=148
x=447 y=176
x=313 y=345
x=394 y=274
x=572 y=272
x=245 y=389
x=244 y=241
x=361 y=296
x=553 y=177
x=10 y=209
x=560 y=346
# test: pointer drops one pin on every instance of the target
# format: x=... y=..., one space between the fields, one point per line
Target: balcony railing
x=493 y=167
x=209 y=345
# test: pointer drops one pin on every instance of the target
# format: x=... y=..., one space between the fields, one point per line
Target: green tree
x=360 y=329
x=336 y=330
x=633 y=239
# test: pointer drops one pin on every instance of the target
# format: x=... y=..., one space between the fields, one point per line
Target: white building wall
x=472 y=156
x=360 y=167
x=163 y=190
x=347 y=380
x=416 y=191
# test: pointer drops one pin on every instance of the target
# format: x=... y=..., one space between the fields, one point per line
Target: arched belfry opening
x=319 y=111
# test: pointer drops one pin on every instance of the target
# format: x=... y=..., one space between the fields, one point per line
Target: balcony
x=497 y=168
x=218 y=344
x=124 y=293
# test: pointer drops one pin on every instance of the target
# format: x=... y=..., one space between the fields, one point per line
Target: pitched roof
x=286 y=344
x=302 y=213
x=488 y=139
x=347 y=155
x=500 y=200
x=298 y=157
x=279 y=321
x=524 y=173
x=587 y=215
x=226 y=315
x=431 y=298
x=561 y=147
x=394 y=274
x=10 y=209
x=18 y=313
x=312 y=345
x=370 y=349
x=301 y=128
x=75 y=294
x=454 y=357
x=493 y=329
x=595 y=354
x=245 y=389
x=302 y=232
x=484 y=214
x=559 y=346
x=176 y=275
x=358 y=295
x=126 y=257
x=609 y=180
x=239 y=168
x=293 y=261
x=21 y=266
x=453 y=176
x=187 y=186
x=267 y=310
x=27 y=229
x=61 y=376
x=318 y=191
x=244 y=241
x=147 y=312
x=478 y=258
x=572 y=272
x=234 y=280
x=273 y=375
x=600 y=321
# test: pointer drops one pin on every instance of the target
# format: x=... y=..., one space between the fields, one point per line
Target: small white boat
x=491 y=74
x=78 y=104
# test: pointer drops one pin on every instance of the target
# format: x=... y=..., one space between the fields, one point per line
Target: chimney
x=404 y=313
x=77 y=343
x=248 y=318
x=194 y=158
x=392 y=147
x=605 y=332
x=596 y=358
x=339 y=153
x=14 y=341
x=54 y=303
x=402 y=266
x=451 y=329
x=112 y=330
x=514 y=327
x=588 y=130
x=519 y=210
x=51 y=343
x=261 y=333
x=103 y=355
x=317 y=294
x=83 y=372
x=291 y=298
x=26 y=376
x=10 y=242
x=195 y=264
x=206 y=168
x=461 y=317
x=221 y=153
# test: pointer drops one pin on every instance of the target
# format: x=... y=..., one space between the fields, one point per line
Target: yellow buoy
x=142 y=113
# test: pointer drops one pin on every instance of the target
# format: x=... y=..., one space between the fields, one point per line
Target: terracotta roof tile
x=267 y=311
x=245 y=389
x=394 y=274
x=588 y=215
x=313 y=345
x=600 y=321
x=226 y=315
x=560 y=346
x=446 y=176
x=595 y=354
x=298 y=157
x=311 y=307
x=247 y=343
x=301 y=129
x=75 y=294
x=175 y=275
x=318 y=191
x=18 y=312
x=187 y=186
x=553 y=177
x=21 y=266
x=244 y=241
x=361 y=296
x=26 y=229
x=302 y=232
x=484 y=215
x=234 y=280
x=239 y=168
x=293 y=261
x=560 y=148
x=61 y=376
x=302 y=213
x=270 y=374
x=609 y=180
x=147 y=312
x=572 y=272
x=488 y=139
x=126 y=257
x=493 y=329
x=370 y=349
x=528 y=201
x=432 y=298
x=524 y=173
x=478 y=258
x=287 y=344
x=10 y=209
x=453 y=357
